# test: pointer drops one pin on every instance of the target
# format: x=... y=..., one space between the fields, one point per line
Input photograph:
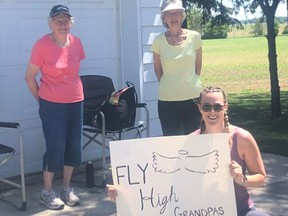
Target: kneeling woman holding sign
x=244 y=151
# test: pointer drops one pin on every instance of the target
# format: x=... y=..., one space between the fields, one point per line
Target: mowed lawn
x=240 y=66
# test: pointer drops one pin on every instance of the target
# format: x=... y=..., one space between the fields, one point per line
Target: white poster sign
x=173 y=176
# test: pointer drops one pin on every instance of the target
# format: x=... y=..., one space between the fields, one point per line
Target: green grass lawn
x=240 y=66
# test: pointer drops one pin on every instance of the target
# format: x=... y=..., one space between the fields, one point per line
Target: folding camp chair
x=96 y=90
x=8 y=152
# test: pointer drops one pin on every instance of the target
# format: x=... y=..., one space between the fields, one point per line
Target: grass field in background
x=248 y=30
x=240 y=66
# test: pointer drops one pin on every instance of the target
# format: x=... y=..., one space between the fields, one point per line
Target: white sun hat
x=167 y=5
x=171 y=5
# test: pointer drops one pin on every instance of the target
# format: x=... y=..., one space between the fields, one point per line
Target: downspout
x=119 y=51
x=140 y=52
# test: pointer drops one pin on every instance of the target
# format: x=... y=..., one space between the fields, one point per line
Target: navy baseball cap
x=58 y=9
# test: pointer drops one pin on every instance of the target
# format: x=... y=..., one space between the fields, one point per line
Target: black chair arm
x=92 y=111
x=9 y=124
x=141 y=105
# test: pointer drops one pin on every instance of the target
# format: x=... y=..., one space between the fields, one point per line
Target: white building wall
x=140 y=23
x=151 y=26
x=116 y=34
x=22 y=22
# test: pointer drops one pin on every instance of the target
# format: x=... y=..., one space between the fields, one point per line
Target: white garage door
x=22 y=22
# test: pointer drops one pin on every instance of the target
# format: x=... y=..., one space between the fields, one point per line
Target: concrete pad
x=272 y=198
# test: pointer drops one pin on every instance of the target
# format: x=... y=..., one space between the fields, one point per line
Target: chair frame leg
x=22 y=169
x=104 y=166
x=22 y=165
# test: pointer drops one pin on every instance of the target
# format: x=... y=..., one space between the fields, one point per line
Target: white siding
x=116 y=34
x=151 y=26
x=22 y=23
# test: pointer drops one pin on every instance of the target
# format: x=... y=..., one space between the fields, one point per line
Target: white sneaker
x=50 y=200
x=68 y=196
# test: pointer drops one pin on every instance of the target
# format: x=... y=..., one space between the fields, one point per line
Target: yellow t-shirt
x=178 y=63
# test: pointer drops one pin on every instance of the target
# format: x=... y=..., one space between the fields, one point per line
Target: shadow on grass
x=253 y=112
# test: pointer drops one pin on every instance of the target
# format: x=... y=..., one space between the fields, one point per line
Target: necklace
x=175 y=39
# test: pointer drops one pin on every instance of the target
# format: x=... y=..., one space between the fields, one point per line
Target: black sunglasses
x=208 y=107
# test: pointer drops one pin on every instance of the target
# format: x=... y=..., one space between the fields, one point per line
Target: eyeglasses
x=61 y=22
x=171 y=14
x=208 y=107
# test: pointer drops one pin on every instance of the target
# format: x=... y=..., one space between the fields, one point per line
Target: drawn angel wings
x=193 y=163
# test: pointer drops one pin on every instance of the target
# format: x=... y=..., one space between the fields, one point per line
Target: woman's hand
x=30 y=78
x=112 y=192
x=236 y=173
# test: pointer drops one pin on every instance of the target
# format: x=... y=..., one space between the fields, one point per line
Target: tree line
x=210 y=31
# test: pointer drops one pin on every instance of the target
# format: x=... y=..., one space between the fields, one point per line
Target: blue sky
x=281 y=11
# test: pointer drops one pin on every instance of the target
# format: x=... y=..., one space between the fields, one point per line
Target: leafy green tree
x=215 y=32
x=208 y=31
x=213 y=11
x=276 y=26
x=285 y=31
x=194 y=19
x=258 y=28
x=269 y=10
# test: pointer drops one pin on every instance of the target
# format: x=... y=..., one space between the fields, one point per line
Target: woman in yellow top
x=177 y=63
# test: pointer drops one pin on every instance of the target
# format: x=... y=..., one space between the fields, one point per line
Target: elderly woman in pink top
x=57 y=57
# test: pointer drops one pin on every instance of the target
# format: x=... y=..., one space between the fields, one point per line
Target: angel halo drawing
x=202 y=164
